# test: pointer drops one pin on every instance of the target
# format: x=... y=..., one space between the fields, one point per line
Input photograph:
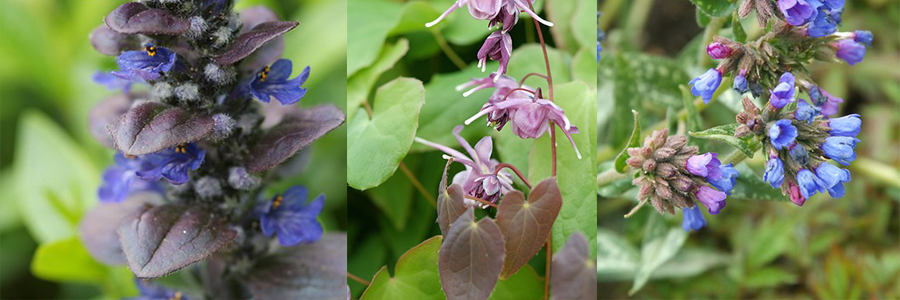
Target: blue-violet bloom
x=809 y=183
x=172 y=164
x=782 y=133
x=774 y=172
x=112 y=81
x=148 y=290
x=692 y=218
x=824 y=100
x=850 y=51
x=147 y=64
x=722 y=177
x=291 y=218
x=840 y=148
x=797 y=12
x=848 y=125
x=740 y=82
x=783 y=92
x=863 y=37
x=272 y=82
x=799 y=154
x=833 y=177
x=806 y=112
x=713 y=200
x=706 y=84
x=121 y=179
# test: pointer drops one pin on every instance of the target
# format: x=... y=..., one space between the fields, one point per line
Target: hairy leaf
x=98 y=227
x=298 y=129
x=415 y=276
x=106 y=112
x=660 y=244
x=715 y=8
x=750 y=186
x=526 y=225
x=311 y=271
x=725 y=133
x=245 y=44
x=159 y=240
x=134 y=18
x=572 y=274
x=471 y=258
x=633 y=141
x=270 y=51
x=110 y=42
x=152 y=126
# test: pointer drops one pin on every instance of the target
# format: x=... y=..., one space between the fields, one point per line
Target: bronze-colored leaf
x=98 y=227
x=110 y=42
x=269 y=52
x=247 y=43
x=152 y=126
x=298 y=129
x=106 y=112
x=471 y=257
x=573 y=274
x=450 y=203
x=134 y=17
x=311 y=271
x=526 y=225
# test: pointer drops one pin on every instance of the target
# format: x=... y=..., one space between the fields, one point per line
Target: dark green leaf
x=633 y=141
x=769 y=277
x=750 y=186
x=470 y=258
x=694 y=122
x=526 y=225
x=725 y=133
x=737 y=28
x=714 y=8
x=445 y=108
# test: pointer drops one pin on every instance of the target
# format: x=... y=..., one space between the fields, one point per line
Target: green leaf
x=660 y=245
x=725 y=133
x=694 y=122
x=584 y=65
x=67 y=260
x=415 y=15
x=769 y=277
x=366 y=259
x=377 y=145
x=525 y=284
x=461 y=29
x=584 y=24
x=769 y=242
x=750 y=186
x=737 y=28
x=633 y=141
x=703 y=19
x=360 y=84
x=394 y=199
x=445 y=108
x=576 y=177
x=56 y=183
x=714 y=8
x=374 y=19
x=573 y=23
x=415 y=276
x=529 y=58
x=617 y=259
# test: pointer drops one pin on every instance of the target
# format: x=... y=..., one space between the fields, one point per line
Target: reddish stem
x=516 y=89
x=513 y=168
x=488 y=203
x=529 y=75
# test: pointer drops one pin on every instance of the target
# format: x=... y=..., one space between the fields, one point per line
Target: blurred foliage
x=50 y=165
x=828 y=249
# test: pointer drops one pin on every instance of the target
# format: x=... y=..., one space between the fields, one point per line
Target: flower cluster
x=672 y=174
x=196 y=139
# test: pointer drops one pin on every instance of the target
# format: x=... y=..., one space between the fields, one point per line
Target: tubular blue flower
x=172 y=164
x=806 y=112
x=850 y=51
x=863 y=37
x=112 y=81
x=291 y=218
x=718 y=50
x=824 y=100
x=840 y=148
x=692 y=218
x=798 y=12
x=488 y=9
x=151 y=291
x=706 y=84
x=147 y=64
x=713 y=200
x=828 y=17
x=707 y=165
x=848 y=125
x=774 y=172
x=809 y=184
x=498 y=47
x=740 y=82
x=833 y=178
x=782 y=133
x=273 y=83
x=783 y=92
x=120 y=180
x=799 y=154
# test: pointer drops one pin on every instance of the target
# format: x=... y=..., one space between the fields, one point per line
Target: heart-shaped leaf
x=159 y=240
x=245 y=44
x=310 y=271
x=415 y=276
x=106 y=112
x=298 y=129
x=471 y=258
x=450 y=203
x=152 y=126
x=526 y=225
x=270 y=51
x=110 y=42
x=573 y=272
x=133 y=17
x=98 y=227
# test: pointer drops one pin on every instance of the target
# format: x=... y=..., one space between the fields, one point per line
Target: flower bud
x=718 y=50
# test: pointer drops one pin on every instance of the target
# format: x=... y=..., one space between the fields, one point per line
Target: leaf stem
x=521 y=81
x=609 y=176
x=485 y=202
x=514 y=169
x=358 y=279
x=715 y=24
x=447 y=50
x=417 y=184
x=636 y=208
x=735 y=157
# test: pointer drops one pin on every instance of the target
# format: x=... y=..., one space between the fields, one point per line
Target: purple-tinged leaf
x=153 y=126
x=471 y=258
x=162 y=239
x=110 y=42
x=98 y=227
x=269 y=52
x=297 y=130
x=526 y=225
x=106 y=112
x=133 y=17
x=310 y=271
x=450 y=203
x=573 y=274
x=247 y=43
x=219 y=282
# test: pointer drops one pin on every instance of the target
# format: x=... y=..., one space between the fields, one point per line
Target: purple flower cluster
x=721 y=177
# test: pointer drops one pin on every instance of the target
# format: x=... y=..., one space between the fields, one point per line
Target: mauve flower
x=498 y=47
x=740 y=82
x=783 y=92
x=172 y=164
x=508 y=16
x=833 y=178
x=809 y=183
x=713 y=200
x=503 y=86
x=850 y=51
x=797 y=12
x=706 y=84
x=273 y=83
x=848 y=125
x=718 y=50
x=291 y=218
x=488 y=9
x=840 y=148
x=782 y=133
x=708 y=166
x=795 y=194
x=774 y=172
x=824 y=100
x=692 y=218
x=147 y=64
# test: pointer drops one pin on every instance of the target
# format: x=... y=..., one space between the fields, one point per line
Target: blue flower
x=708 y=166
x=824 y=100
x=774 y=172
x=863 y=37
x=713 y=200
x=172 y=164
x=798 y=12
x=740 y=82
x=151 y=291
x=806 y=112
x=833 y=179
x=809 y=183
x=850 y=51
x=828 y=17
x=147 y=64
x=799 y=154
x=693 y=218
x=840 y=148
x=112 y=81
x=845 y=126
x=782 y=133
x=273 y=83
x=292 y=219
x=706 y=84
x=783 y=92
x=120 y=180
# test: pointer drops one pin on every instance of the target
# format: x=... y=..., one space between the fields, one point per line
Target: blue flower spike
x=272 y=82
x=693 y=219
x=291 y=218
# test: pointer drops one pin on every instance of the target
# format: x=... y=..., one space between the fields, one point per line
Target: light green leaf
x=56 y=183
x=584 y=65
x=377 y=145
x=372 y=20
x=530 y=59
x=461 y=29
x=415 y=276
x=67 y=260
x=359 y=85
x=510 y=148
x=769 y=277
x=660 y=244
x=415 y=15
x=694 y=122
x=633 y=141
x=329 y=53
x=445 y=108
x=617 y=259
x=714 y=8
x=584 y=24
x=725 y=133
x=576 y=177
x=737 y=28
x=750 y=186
x=524 y=284
x=572 y=23
x=769 y=242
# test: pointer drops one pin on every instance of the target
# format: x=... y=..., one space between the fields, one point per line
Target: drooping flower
x=798 y=12
x=848 y=125
x=840 y=148
x=508 y=16
x=713 y=200
x=488 y=9
x=147 y=64
x=172 y=164
x=782 y=133
x=272 y=82
x=863 y=37
x=504 y=87
x=808 y=183
x=718 y=50
x=740 y=82
x=828 y=17
x=795 y=194
x=148 y=290
x=850 y=51
x=121 y=179
x=706 y=84
x=824 y=100
x=498 y=47
x=783 y=92
x=806 y=112
x=692 y=219
x=774 y=172
x=799 y=154
x=833 y=179
x=291 y=218
x=708 y=166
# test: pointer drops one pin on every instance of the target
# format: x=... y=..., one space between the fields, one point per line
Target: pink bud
x=718 y=50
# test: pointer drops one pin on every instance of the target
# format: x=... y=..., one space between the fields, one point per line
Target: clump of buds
x=662 y=176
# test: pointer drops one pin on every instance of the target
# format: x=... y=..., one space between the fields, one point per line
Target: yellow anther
x=277 y=202
x=151 y=50
x=264 y=74
x=177 y=296
x=180 y=149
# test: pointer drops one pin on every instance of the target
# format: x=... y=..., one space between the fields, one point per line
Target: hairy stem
x=610 y=176
x=636 y=208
